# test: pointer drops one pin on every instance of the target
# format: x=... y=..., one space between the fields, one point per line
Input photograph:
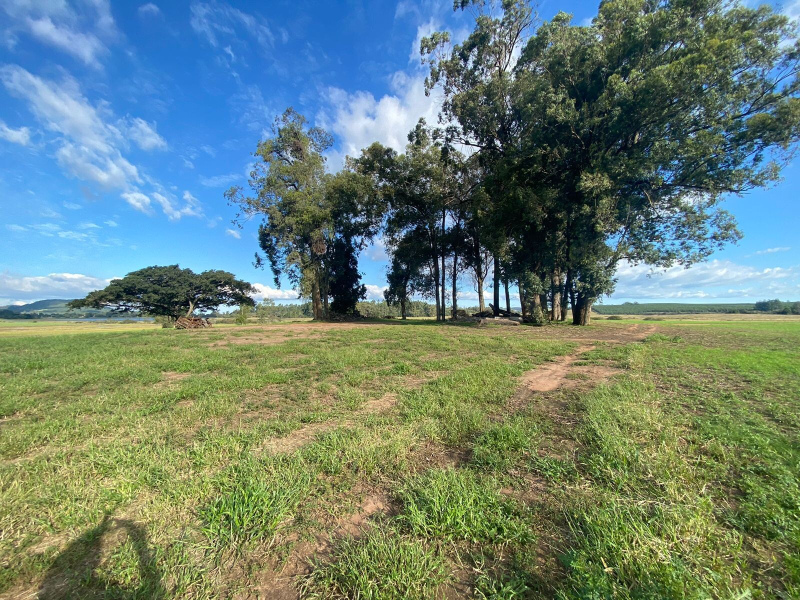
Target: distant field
x=669 y=308
x=629 y=459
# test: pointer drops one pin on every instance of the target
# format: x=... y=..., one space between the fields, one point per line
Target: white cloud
x=19 y=288
x=89 y=225
x=265 y=291
x=774 y=250
x=423 y=31
x=21 y=136
x=110 y=223
x=713 y=279
x=792 y=10
x=81 y=32
x=138 y=201
x=88 y=144
x=149 y=10
x=219 y=181
x=359 y=119
x=233 y=233
x=90 y=140
x=376 y=250
x=145 y=136
x=375 y=292
x=191 y=208
x=217 y=20
x=16 y=228
x=72 y=206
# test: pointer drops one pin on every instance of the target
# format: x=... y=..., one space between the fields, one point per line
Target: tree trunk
x=479 y=279
x=455 y=285
x=436 y=285
x=496 y=277
x=444 y=268
x=191 y=309
x=555 y=311
x=316 y=304
x=522 y=303
x=581 y=311
x=508 y=296
x=543 y=305
x=403 y=309
x=444 y=291
x=565 y=295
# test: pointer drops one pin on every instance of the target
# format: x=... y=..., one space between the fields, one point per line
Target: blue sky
x=122 y=124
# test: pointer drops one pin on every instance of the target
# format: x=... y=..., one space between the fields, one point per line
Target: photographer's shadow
x=74 y=573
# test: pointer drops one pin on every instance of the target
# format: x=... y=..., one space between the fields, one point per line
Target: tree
x=409 y=273
x=643 y=121
x=289 y=185
x=265 y=310
x=169 y=292
x=345 y=284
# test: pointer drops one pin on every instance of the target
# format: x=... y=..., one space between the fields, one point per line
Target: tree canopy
x=169 y=292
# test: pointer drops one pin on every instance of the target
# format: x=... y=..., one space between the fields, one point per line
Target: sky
x=122 y=124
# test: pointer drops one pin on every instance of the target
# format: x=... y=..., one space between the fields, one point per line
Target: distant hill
x=54 y=308
x=55 y=305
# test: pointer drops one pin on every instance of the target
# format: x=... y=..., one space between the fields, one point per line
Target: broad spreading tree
x=169 y=292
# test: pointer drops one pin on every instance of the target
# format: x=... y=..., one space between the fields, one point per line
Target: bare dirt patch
x=169 y=378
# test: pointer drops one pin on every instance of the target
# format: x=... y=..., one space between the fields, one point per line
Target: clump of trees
x=169 y=292
x=778 y=307
x=560 y=151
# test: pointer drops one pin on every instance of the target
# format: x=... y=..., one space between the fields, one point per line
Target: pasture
x=382 y=460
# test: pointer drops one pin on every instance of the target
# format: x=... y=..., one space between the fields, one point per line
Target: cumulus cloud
x=265 y=291
x=82 y=31
x=375 y=292
x=17 y=288
x=21 y=136
x=358 y=119
x=713 y=279
x=233 y=233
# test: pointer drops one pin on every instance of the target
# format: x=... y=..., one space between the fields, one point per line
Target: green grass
x=460 y=505
x=400 y=461
x=382 y=565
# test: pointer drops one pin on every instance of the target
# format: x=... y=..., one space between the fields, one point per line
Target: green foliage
x=242 y=314
x=169 y=292
x=460 y=505
x=657 y=308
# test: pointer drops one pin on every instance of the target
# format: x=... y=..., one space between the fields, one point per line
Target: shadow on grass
x=74 y=573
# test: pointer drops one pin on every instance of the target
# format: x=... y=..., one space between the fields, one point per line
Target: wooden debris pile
x=192 y=323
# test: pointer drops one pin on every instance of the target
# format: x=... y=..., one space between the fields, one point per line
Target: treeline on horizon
x=560 y=151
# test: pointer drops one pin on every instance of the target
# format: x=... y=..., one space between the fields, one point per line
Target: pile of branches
x=192 y=323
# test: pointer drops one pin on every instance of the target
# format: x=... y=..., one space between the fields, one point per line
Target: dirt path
x=553 y=375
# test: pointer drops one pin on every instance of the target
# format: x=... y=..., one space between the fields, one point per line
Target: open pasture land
x=401 y=460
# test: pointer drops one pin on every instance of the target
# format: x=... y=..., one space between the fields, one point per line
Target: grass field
x=628 y=459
